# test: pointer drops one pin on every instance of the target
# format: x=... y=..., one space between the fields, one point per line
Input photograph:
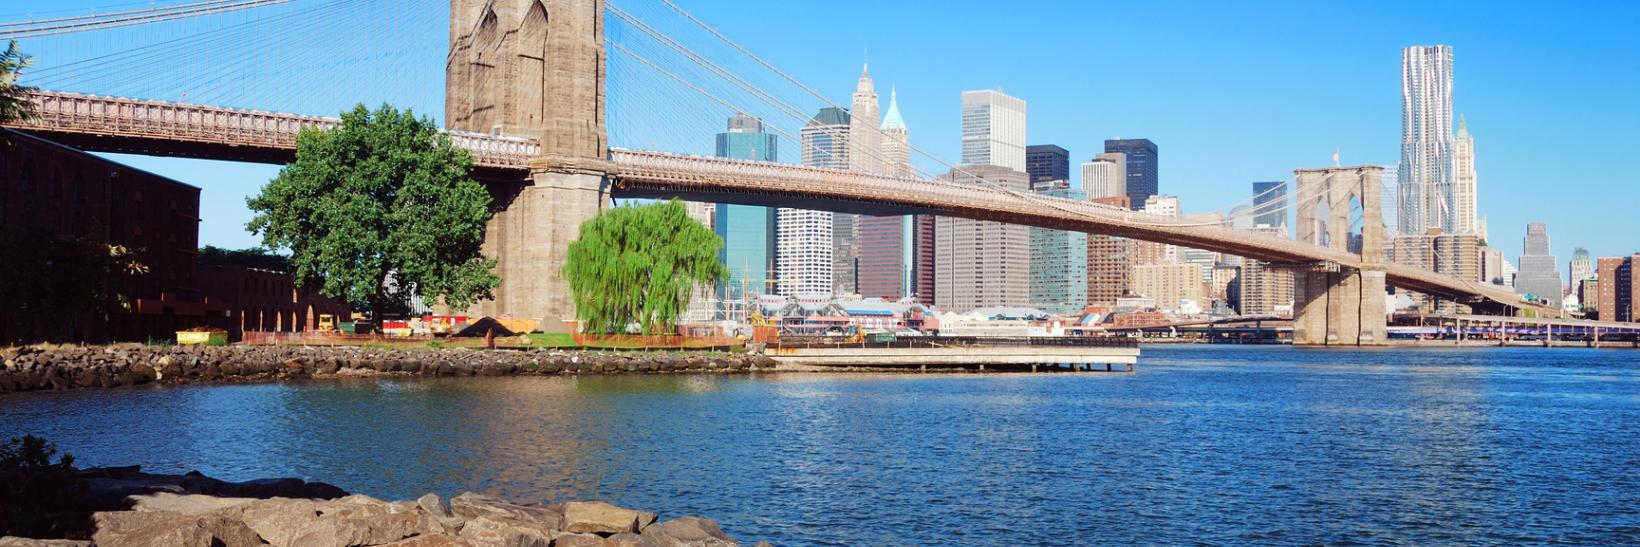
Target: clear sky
x=1231 y=92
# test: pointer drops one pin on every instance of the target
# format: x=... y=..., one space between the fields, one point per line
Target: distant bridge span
x=149 y=127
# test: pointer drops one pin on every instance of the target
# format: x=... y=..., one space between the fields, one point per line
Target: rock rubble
x=30 y=368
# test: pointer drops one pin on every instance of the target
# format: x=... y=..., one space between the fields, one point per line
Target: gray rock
x=472 y=506
x=12 y=541
x=505 y=532
x=364 y=524
x=185 y=504
x=687 y=532
x=432 y=540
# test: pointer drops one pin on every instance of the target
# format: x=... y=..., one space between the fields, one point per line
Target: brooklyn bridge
x=526 y=93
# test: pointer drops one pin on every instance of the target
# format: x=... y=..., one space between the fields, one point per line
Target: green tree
x=38 y=498
x=378 y=209
x=640 y=265
x=47 y=278
x=14 y=102
x=256 y=258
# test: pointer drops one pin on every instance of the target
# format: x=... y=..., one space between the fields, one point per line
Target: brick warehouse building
x=72 y=194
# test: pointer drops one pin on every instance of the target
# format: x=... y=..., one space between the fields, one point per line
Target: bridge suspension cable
x=86 y=23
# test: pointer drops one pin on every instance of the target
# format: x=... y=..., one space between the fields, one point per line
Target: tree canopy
x=14 y=102
x=640 y=265
x=380 y=209
x=47 y=277
x=253 y=257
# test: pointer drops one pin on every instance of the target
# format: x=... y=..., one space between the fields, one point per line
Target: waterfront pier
x=968 y=353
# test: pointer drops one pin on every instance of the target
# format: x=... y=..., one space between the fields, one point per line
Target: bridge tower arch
x=1332 y=304
x=535 y=69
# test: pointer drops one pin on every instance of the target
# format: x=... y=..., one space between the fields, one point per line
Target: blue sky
x=1231 y=92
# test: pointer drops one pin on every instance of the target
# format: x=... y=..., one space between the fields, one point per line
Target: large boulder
x=166 y=529
x=10 y=541
x=582 y=540
x=432 y=540
x=602 y=518
x=186 y=504
x=472 y=506
x=505 y=532
x=686 y=531
x=278 y=520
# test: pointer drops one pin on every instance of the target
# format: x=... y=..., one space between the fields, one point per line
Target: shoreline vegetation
x=54 y=504
x=34 y=368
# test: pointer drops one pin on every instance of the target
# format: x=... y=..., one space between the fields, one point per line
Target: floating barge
x=970 y=353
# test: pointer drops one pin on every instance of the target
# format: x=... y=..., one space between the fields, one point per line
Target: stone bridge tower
x=534 y=68
x=1333 y=304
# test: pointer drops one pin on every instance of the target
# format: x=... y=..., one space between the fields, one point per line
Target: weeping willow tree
x=640 y=265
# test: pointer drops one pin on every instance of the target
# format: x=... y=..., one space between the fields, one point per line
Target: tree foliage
x=378 y=209
x=47 y=277
x=35 y=492
x=14 y=103
x=256 y=258
x=640 y=265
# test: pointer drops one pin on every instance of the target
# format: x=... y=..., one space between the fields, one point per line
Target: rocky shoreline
x=32 y=368
x=125 y=507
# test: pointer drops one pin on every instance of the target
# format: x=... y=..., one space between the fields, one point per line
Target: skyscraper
x=1141 y=167
x=1109 y=264
x=1617 y=288
x=1047 y=162
x=1105 y=176
x=982 y=263
x=1059 y=259
x=1465 y=216
x=886 y=243
x=993 y=129
x=1425 y=175
x=1539 y=273
x=1582 y=267
x=865 y=156
x=1270 y=204
x=748 y=231
x=804 y=243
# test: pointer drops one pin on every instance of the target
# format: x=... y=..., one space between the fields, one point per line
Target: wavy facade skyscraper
x=1425 y=175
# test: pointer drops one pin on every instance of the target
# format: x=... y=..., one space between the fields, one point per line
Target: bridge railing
x=123 y=117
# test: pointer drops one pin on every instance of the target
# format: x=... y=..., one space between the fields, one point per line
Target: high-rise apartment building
x=1169 y=284
x=1617 y=288
x=1425 y=175
x=993 y=129
x=982 y=263
x=1262 y=289
x=1539 y=273
x=1059 y=259
x=1270 y=204
x=1458 y=255
x=1105 y=176
x=1465 y=213
x=804 y=242
x=1109 y=266
x=1140 y=166
x=1047 y=162
x=748 y=231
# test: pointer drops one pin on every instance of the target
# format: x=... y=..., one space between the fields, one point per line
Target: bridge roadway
x=151 y=127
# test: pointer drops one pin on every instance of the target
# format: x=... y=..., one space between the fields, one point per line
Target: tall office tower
x=1140 y=166
x=1539 y=273
x=993 y=129
x=1581 y=268
x=1458 y=255
x=1105 y=176
x=1109 y=266
x=1270 y=204
x=1047 y=162
x=748 y=231
x=982 y=263
x=1617 y=287
x=1059 y=259
x=1492 y=263
x=864 y=156
x=922 y=259
x=1425 y=175
x=803 y=244
x=886 y=243
x=1465 y=214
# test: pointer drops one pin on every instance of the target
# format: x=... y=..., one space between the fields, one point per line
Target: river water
x=1212 y=444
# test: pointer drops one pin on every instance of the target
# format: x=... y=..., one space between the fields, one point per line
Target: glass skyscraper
x=747 y=230
x=1141 y=168
x=1269 y=204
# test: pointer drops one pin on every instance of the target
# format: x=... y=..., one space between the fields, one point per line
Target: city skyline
x=1218 y=136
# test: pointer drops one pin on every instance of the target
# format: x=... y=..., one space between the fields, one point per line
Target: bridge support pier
x=1340 y=305
x=530 y=236
x=1343 y=308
